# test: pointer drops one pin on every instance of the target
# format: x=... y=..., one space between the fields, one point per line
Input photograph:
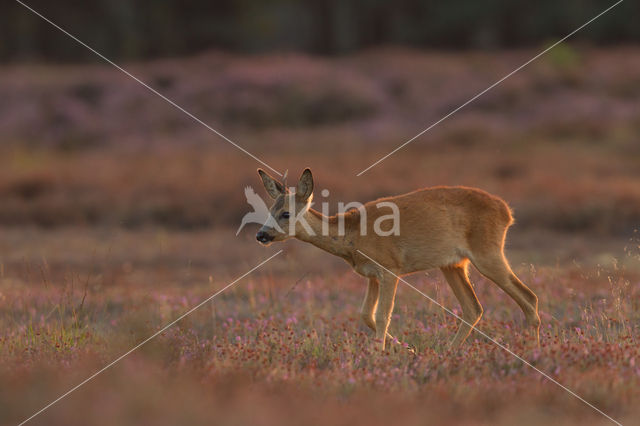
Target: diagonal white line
x=115 y=361
x=490 y=87
x=151 y=89
x=501 y=346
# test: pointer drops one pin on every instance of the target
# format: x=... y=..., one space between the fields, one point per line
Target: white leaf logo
x=260 y=213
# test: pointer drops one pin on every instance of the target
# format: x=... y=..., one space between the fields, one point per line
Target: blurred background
x=146 y=29
x=329 y=84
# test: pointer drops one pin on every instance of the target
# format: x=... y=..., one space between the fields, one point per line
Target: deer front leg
x=388 y=286
x=369 y=305
x=370 y=302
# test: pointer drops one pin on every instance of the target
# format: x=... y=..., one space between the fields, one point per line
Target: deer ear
x=273 y=187
x=305 y=186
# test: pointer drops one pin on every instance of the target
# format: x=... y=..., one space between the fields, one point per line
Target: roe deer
x=440 y=227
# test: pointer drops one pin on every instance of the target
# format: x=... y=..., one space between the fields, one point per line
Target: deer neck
x=326 y=234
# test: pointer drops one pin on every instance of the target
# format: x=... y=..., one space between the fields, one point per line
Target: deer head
x=287 y=206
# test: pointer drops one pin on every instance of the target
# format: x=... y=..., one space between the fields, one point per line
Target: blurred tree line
x=132 y=29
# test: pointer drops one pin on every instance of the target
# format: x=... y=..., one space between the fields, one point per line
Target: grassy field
x=285 y=344
x=118 y=214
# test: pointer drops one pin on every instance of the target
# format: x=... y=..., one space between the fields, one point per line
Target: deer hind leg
x=388 y=286
x=458 y=279
x=497 y=269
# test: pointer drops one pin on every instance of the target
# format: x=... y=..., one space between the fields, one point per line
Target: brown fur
x=440 y=227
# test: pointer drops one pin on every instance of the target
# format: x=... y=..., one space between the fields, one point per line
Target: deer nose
x=263 y=237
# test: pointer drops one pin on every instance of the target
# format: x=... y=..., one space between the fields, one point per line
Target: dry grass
x=286 y=346
x=552 y=187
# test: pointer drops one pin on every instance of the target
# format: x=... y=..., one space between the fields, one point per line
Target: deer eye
x=285 y=215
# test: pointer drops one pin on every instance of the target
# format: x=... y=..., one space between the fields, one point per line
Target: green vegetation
x=150 y=28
